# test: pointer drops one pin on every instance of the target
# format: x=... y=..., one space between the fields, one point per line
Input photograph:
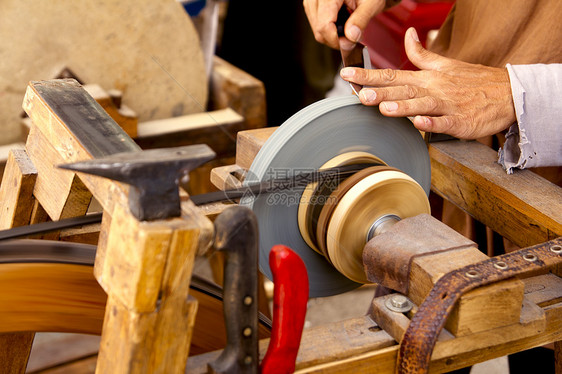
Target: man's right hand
x=322 y=15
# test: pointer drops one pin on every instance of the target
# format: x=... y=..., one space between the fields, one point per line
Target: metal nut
x=399 y=303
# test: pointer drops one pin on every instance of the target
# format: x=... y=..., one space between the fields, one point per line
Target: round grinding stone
x=304 y=143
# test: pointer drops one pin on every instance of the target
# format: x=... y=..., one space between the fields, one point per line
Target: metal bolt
x=399 y=303
x=248 y=360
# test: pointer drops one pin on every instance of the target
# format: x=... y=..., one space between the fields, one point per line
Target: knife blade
x=358 y=55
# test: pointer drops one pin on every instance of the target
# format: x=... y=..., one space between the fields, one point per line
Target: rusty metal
x=387 y=257
x=153 y=176
x=421 y=335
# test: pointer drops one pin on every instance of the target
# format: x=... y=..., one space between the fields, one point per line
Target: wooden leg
x=146 y=272
x=14 y=352
x=16 y=206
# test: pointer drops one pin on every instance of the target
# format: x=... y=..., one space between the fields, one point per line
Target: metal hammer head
x=153 y=176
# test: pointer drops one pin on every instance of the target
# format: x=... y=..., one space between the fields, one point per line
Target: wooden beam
x=519 y=207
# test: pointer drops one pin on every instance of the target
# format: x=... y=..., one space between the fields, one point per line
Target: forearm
x=536 y=138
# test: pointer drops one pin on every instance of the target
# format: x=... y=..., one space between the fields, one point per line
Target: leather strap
x=421 y=335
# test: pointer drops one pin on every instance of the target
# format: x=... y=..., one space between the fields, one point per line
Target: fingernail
x=390 y=106
x=346 y=44
x=414 y=35
x=368 y=95
x=354 y=32
x=347 y=72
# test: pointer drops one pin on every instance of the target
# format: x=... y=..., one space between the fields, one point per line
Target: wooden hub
x=336 y=218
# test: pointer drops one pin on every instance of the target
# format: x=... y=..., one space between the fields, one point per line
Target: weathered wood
x=177 y=126
x=122 y=114
x=61 y=193
x=16 y=191
x=231 y=87
x=5 y=151
x=340 y=347
x=249 y=144
x=482 y=309
x=519 y=207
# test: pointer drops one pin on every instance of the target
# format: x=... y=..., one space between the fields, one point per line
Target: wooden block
x=16 y=191
x=134 y=260
x=123 y=115
x=60 y=192
x=57 y=109
x=518 y=206
x=482 y=309
x=176 y=126
x=88 y=234
x=231 y=87
x=249 y=143
x=5 y=151
x=226 y=177
x=144 y=342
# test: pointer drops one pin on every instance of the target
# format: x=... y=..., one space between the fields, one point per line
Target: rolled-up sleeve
x=536 y=139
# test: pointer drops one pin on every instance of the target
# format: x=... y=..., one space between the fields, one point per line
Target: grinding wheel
x=148 y=49
x=305 y=142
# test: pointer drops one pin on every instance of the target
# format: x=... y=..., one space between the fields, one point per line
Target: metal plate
x=305 y=142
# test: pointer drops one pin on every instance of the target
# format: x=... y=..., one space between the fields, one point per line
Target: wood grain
x=520 y=207
x=16 y=190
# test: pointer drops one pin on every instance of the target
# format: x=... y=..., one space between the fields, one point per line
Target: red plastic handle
x=290 y=296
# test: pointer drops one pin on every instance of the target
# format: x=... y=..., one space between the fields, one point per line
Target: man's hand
x=464 y=100
x=322 y=15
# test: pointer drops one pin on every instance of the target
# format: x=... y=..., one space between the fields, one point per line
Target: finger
x=361 y=16
x=374 y=96
x=383 y=77
x=450 y=125
x=427 y=105
x=322 y=16
x=421 y=57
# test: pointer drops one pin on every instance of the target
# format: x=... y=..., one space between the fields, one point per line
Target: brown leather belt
x=421 y=335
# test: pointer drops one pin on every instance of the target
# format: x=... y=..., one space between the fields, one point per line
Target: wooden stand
x=488 y=322
x=144 y=267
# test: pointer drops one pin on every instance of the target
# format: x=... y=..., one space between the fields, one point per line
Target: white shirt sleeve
x=536 y=139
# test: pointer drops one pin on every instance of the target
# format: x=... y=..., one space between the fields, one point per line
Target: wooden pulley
x=316 y=194
x=147 y=49
x=374 y=202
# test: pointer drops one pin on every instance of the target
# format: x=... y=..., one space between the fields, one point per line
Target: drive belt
x=269 y=186
x=421 y=335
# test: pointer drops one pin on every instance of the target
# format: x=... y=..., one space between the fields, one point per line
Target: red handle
x=290 y=296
